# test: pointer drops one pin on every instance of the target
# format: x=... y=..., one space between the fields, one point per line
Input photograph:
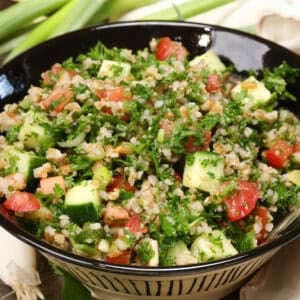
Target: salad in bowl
x=150 y=157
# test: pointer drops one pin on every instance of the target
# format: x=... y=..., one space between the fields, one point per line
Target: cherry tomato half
x=134 y=224
x=278 y=155
x=122 y=259
x=120 y=183
x=167 y=48
x=58 y=99
x=22 y=202
x=262 y=213
x=242 y=201
x=115 y=94
x=191 y=147
x=213 y=83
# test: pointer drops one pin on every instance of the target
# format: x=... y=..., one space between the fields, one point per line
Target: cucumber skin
x=83 y=213
x=33 y=135
x=35 y=162
x=27 y=162
x=82 y=202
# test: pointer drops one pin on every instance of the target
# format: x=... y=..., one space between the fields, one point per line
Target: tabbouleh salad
x=151 y=158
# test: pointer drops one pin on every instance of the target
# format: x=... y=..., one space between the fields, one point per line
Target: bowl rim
x=68 y=257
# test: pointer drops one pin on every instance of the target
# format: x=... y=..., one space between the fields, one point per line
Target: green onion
x=79 y=16
x=22 y=13
x=42 y=31
x=187 y=9
x=12 y=43
x=113 y=9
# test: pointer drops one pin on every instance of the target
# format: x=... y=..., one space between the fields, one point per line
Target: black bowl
x=245 y=51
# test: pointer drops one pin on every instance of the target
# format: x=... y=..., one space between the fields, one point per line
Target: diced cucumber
x=182 y=254
x=210 y=60
x=203 y=170
x=212 y=246
x=82 y=202
x=74 y=142
x=251 y=92
x=33 y=135
x=161 y=136
x=114 y=69
x=102 y=175
x=294 y=176
x=20 y=161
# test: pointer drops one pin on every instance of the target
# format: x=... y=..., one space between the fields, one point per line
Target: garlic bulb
x=282 y=28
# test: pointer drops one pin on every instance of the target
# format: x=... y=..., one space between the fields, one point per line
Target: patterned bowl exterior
x=206 y=285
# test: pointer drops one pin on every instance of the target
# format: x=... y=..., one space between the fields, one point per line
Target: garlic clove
x=281 y=29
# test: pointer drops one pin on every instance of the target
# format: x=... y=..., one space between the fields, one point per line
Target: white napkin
x=18 y=267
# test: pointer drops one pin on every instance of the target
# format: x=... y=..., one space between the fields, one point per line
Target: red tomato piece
x=22 y=202
x=58 y=99
x=296 y=153
x=122 y=259
x=119 y=182
x=177 y=177
x=115 y=94
x=243 y=200
x=48 y=184
x=125 y=118
x=107 y=110
x=191 y=147
x=167 y=126
x=134 y=224
x=46 y=76
x=296 y=147
x=278 y=155
x=207 y=139
x=213 y=84
x=115 y=216
x=262 y=213
x=56 y=70
x=167 y=48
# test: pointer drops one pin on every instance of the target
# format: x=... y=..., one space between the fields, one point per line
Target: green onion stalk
x=74 y=15
x=113 y=9
x=22 y=13
x=184 y=9
x=79 y=16
x=43 y=31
